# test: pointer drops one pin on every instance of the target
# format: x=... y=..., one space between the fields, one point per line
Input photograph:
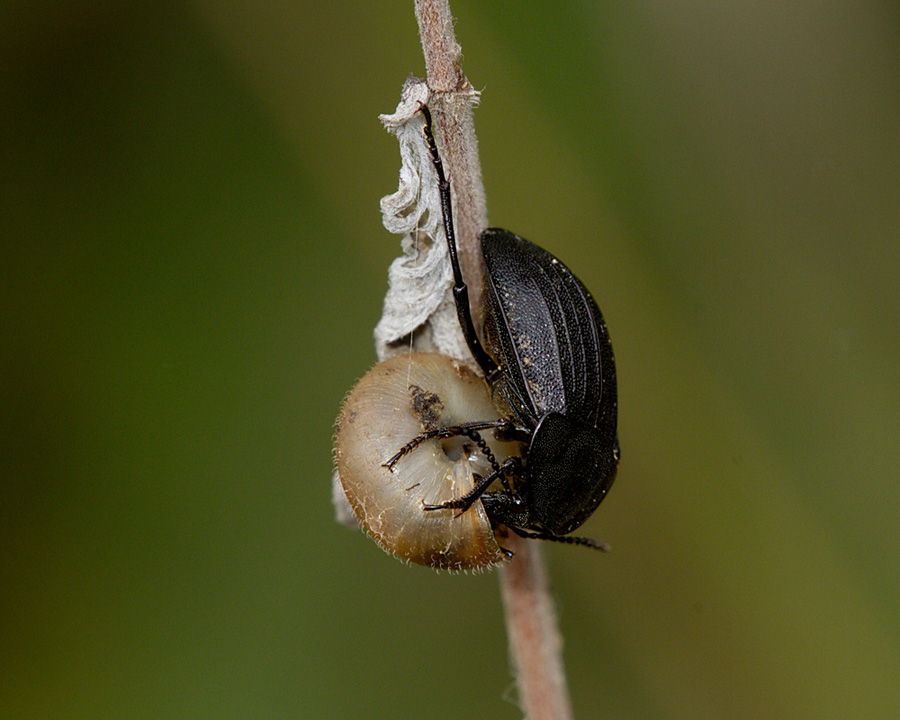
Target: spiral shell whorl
x=378 y=418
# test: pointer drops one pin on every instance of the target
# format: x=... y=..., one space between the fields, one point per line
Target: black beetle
x=549 y=363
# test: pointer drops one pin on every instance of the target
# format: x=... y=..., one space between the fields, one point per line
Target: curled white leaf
x=419 y=311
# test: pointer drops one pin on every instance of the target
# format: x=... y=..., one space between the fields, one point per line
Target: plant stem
x=534 y=638
x=451 y=106
x=535 y=642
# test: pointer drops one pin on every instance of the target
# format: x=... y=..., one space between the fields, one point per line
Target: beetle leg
x=464 y=429
x=506 y=431
x=460 y=289
x=467 y=500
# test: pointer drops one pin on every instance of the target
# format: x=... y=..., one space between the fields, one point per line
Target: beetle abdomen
x=549 y=332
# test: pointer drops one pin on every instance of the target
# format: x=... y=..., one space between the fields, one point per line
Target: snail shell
x=393 y=403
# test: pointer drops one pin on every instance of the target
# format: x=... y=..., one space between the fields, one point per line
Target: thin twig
x=534 y=638
x=451 y=106
x=535 y=642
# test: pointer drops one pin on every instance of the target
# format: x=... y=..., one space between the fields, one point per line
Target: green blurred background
x=192 y=262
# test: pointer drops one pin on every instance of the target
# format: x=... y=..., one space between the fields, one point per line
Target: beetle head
x=570 y=467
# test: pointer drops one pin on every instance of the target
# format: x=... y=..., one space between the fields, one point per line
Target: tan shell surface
x=377 y=419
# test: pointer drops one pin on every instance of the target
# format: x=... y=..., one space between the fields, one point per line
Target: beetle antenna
x=569 y=540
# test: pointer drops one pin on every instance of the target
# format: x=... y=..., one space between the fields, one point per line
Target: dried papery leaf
x=419 y=312
x=343 y=511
